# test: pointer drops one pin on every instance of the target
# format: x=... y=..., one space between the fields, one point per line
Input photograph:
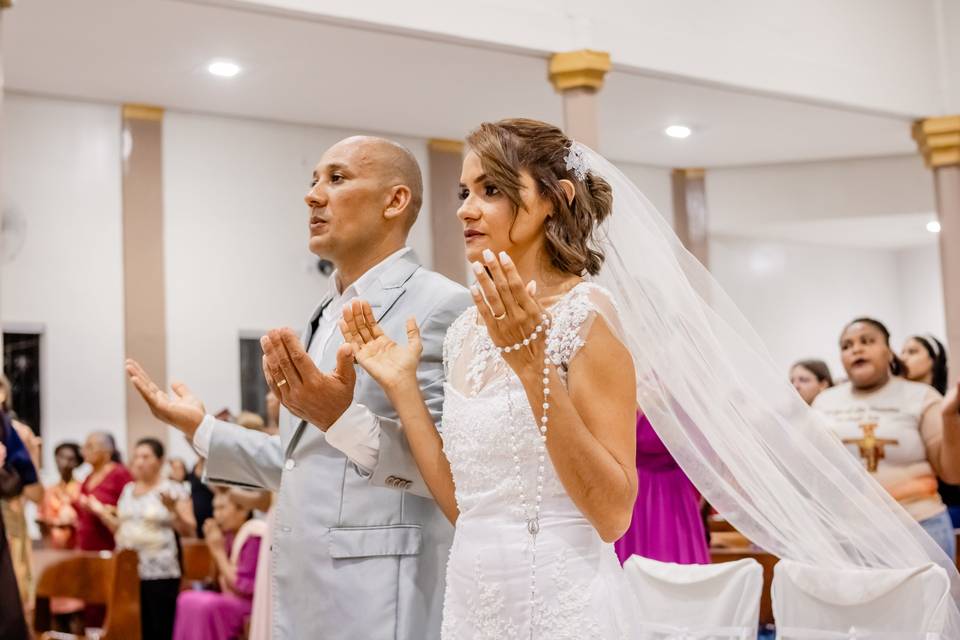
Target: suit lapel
x=388 y=288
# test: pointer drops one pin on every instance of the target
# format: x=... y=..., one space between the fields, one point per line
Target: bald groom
x=359 y=547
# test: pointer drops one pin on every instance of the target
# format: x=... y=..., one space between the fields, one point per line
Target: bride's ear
x=568 y=190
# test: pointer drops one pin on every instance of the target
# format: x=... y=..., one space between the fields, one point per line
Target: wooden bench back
x=105 y=578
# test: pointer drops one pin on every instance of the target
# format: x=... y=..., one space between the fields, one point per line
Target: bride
x=586 y=307
x=536 y=463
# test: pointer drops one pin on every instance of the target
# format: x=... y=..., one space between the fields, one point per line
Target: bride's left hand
x=393 y=366
x=509 y=310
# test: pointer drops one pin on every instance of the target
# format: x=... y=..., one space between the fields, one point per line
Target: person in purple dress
x=666 y=523
x=234 y=542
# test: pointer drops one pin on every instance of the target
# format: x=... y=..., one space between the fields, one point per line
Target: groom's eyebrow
x=335 y=166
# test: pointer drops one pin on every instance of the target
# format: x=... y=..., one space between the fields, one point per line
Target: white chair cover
x=696 y=601
x=812 y=603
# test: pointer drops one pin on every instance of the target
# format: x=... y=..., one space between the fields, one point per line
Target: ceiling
x=295 y=70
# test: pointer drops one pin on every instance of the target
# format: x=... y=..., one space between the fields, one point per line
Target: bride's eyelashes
x=489 y=191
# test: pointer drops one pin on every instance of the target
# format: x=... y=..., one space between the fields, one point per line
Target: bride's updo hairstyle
x=508 y=147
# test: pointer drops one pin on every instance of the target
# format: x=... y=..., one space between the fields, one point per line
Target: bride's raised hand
x=510 y=312
x=390 y=364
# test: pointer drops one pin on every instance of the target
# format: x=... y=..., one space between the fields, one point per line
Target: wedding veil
x=728 y=414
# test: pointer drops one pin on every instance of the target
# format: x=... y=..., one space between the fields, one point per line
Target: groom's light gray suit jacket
x=356 y=555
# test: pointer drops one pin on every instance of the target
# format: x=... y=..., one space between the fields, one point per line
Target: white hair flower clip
x=577 y=161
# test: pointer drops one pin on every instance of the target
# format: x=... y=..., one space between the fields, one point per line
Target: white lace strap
x=674 y=632
x=853 y=633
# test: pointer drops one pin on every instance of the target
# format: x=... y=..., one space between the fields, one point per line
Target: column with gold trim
x=144 y=302
x=578 y=77
x=939 y=141
x=690 y=211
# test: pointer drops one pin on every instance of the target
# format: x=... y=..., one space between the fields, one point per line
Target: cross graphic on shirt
x=871 y=447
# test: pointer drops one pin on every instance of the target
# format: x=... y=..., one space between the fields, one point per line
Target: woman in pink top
x=234 y=542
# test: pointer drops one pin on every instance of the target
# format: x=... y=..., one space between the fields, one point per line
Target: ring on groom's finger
x=281 y=382
x=501 y=316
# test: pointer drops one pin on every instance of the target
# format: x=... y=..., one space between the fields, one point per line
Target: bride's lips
x=471 y=234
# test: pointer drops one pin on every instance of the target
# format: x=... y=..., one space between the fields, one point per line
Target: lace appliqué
x=486 y=606
x=485 y=362
x=453 y=341
x=568 y=615
x=572 y=318
x=473 y=444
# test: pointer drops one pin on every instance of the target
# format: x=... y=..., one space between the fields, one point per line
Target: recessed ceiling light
x=678 y=131
x=223 y=68
x=933 y=226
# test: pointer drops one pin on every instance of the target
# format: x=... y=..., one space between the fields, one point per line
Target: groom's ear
x=398 y=204
x=568 y=190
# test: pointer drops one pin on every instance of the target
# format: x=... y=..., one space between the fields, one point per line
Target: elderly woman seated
x=234 y=542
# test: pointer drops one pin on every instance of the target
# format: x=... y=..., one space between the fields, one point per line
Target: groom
x=359 y=548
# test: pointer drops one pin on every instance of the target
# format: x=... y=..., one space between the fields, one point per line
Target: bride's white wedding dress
x=716 y=398
x=578 y=589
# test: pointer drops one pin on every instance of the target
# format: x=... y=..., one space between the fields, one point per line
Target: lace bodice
x=564 y=583
x=485 y=403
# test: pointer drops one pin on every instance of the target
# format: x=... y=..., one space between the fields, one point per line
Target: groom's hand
x=182 y=410
x=317 y=397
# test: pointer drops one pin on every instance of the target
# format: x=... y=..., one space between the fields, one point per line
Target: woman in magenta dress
x=234 y=543
x=666 y=523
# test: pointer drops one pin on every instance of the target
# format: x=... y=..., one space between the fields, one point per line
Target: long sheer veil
x=729 y=415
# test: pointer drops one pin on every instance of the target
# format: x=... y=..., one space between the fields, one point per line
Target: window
x=21 y=365
x=253 y=388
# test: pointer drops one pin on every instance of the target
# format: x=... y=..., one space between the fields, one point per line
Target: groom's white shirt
x=357 y=431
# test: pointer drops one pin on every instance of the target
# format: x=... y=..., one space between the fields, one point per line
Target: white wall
x=950 y=64
x=655 y=183
x=921 y=291
x=61 y=172
x=817 y=190
x=798 y=297
x=803 y=248
x=236 y=242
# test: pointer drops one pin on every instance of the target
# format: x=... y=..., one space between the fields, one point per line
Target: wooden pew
x=728 y=544
x=766 y=560
x=198 y=564
x=956 y=560
x=104 y=578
